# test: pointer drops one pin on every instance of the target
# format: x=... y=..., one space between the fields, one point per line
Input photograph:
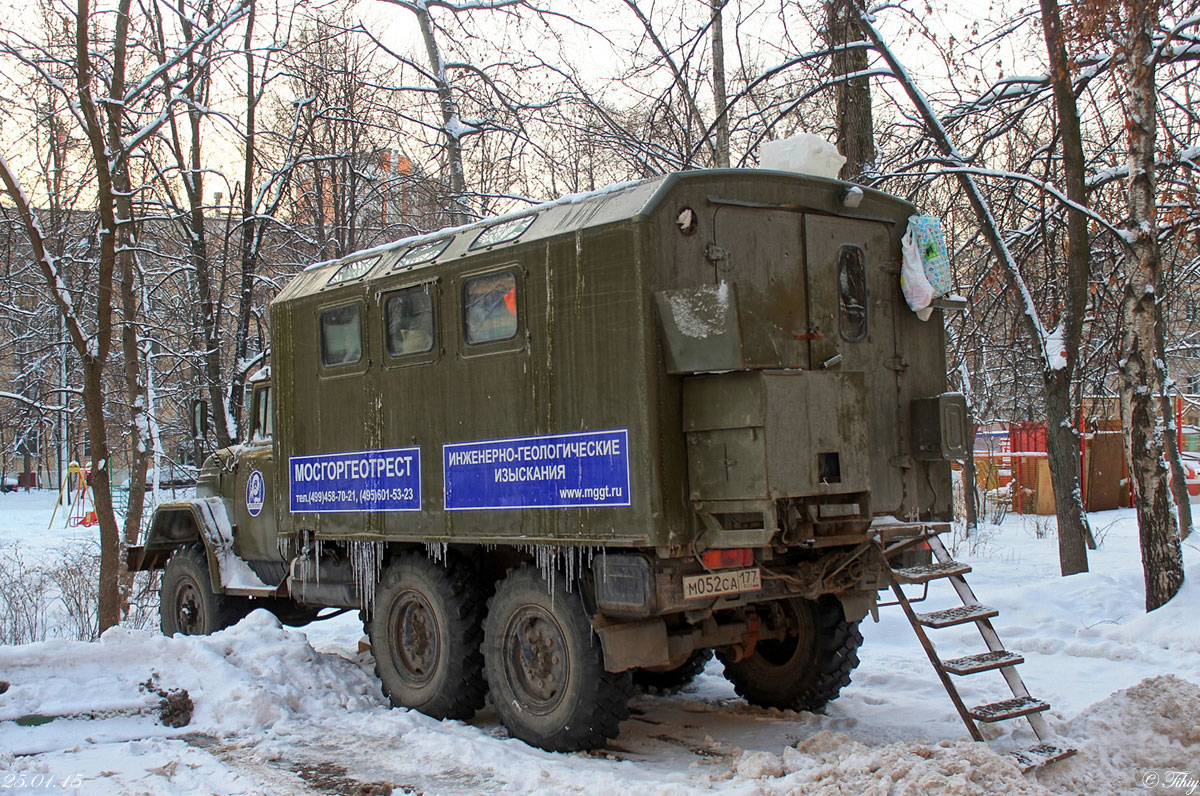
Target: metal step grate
x=1008 y=709
x=1041 y=755
x=928 y=572
x=958 y=615
x=982 y=662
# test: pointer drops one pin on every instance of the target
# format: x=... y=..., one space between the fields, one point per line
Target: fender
x=205 y=519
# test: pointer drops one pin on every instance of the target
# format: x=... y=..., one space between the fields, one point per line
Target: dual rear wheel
x=425 y=635
x=546 y=668
x=437 y=653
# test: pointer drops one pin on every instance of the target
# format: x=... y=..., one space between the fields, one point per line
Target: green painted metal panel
x=604 y=286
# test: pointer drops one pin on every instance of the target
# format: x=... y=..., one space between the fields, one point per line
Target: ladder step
x=959 y=615
x=1007 y=709
x=983 y=662
x=928 y=572
x=1041 y=755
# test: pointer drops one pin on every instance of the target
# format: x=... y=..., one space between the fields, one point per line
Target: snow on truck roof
x=574 y=211
x=568 y=213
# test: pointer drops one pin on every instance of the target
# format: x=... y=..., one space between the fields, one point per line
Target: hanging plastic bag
x=925 y=274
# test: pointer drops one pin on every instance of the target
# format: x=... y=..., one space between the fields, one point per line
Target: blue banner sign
x=558 y=471
x=387 y=480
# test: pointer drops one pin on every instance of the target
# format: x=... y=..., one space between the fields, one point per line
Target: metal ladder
x=996 y=657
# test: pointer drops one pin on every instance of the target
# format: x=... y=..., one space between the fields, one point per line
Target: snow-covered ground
x=285 y=711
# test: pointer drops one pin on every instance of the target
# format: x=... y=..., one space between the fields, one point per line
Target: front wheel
x=546 y=668
x=809 y=667
x=188 y=606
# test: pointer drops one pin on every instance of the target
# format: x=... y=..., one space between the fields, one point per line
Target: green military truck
x=585 y=445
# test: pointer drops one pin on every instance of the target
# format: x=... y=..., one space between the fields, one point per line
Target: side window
x=852 y=294
x=341 y=336
x=502 y=232
x=262 y=414
x=490 y=307
x=409 y=317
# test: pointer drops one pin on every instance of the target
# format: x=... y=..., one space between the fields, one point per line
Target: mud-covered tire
x=804 y=671
x=673 y=679
x=425 y=631
x=187 y=604
x=545 y=667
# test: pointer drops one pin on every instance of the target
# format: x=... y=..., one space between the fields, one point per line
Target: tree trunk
x=131 y=325
x=720 y=99
x=1141 y=379
x=95 y=357
x=1179 y=491
x=250 y=234
x=1062 y=448
x=1061 y=413
x=111 y=602
x=855 y=127
x=971 y=480
x=451 y=124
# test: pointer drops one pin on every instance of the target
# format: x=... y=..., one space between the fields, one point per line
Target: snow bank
x=1151 y=726
x=833 y=764
x=1171 y=627
x=252 y=677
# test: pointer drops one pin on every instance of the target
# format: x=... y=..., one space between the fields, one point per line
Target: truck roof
x=570 y=213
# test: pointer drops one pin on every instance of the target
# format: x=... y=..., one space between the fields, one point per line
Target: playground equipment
x=77 y=486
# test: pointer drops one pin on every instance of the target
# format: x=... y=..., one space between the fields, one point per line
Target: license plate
x=718 y=583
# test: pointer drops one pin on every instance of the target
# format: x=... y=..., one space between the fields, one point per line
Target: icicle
x=569 y=561
x=317 y=558
x=437 y=551
x=366 y=563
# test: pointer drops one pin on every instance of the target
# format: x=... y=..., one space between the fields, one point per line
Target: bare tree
x=1142 y=373
x=1073 y=530
x=852 y=92
x=116 y=127
x=1062 y=436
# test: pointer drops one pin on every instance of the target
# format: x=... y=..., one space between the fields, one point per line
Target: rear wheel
x=187 y=604
x=673 y=679
x=425 y=634
x=546 y=668
x=806 y=669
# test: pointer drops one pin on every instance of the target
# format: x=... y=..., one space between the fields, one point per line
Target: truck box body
x=622 y=314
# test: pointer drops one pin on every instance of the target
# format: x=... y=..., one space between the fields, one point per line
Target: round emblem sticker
x=255 y=492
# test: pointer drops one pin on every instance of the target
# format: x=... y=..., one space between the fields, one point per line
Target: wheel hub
x=536 y=652
x=415 y=632
x=800 y=639
x=188 y=614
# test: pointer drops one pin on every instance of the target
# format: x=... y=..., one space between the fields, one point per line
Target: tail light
x=729 y=557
